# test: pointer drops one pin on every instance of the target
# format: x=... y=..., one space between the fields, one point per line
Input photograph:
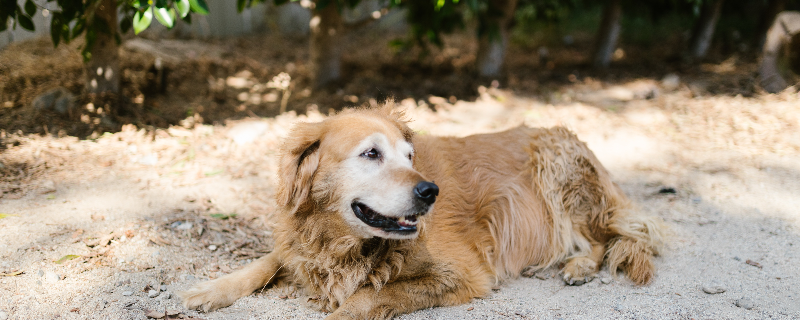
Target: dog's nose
x=426 y=191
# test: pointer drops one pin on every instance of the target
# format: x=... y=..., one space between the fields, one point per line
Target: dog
x=376 y=221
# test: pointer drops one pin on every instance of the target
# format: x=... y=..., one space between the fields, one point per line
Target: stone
x=152 y=293
x=605 y=280
x=59 y=100
x=48 y=187
x=163 y=287
x=671 y=81
x=127 y=293
x=51 y=277
x=713 y=288
x=745 y=303
x=3 y=315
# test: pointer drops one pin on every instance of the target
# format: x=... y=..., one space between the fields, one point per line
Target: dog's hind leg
x=224 y=291
x=589 y=213
x=582 y=269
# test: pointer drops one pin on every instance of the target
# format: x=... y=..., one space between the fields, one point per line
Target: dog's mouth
x=401 y=225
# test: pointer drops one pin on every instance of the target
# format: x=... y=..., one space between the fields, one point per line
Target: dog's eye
x=371 y=153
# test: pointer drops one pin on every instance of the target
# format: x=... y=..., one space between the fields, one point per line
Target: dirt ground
x=180 y=188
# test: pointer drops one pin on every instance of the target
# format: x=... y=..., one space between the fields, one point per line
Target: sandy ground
x=138 y=209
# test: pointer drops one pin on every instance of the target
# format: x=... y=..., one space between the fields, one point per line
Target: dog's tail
x=638 y=238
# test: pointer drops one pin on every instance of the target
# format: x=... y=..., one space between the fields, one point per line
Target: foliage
x=77 y=17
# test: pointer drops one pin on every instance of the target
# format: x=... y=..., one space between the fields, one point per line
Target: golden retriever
x=377 y=221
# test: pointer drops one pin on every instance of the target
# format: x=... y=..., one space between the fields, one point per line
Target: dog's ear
x=398 y=117
x=298 y=162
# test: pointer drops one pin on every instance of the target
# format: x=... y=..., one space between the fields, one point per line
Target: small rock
x=190 y=277
x=737 y=258
x=152 y=293
x=605 y=280
x=40 y=273
x=127 y=293
x=48 y=187
x=51 y=277
x=697 y=200
x=58 y=99
x=745 y=303
x=713 y=288
x=671 y=81
x=3 y=315
x=163 y=287
x=182 y=225
x=667 y=190
x=167 y=295
x=212 y=247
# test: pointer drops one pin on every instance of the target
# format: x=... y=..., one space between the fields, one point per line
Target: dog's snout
x=426 y=191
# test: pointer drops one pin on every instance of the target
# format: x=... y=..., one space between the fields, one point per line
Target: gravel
x=152 y=293
x=3 y=315
x=127 y=293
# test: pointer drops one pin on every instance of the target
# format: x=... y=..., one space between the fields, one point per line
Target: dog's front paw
x=579 y=271
x=210 y=295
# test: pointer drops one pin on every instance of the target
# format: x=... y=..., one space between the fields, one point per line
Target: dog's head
x=358 y=165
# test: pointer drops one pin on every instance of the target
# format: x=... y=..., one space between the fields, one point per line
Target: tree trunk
x=492 y=47
x=325 y=47
x=703 y=31
x=608 y=34
x=767 y=17
x=102 y=69
x=786 y=25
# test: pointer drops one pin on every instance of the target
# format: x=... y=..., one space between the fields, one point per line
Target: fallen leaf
x=51 y=197
x=214 y=172
x=6 y=215
x=753 y=263
x=74 y=310
x=223 y=216
x=11 y=274
x=154 y=314
x=66 y=258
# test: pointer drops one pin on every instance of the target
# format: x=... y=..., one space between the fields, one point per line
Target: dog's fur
x=523 y=197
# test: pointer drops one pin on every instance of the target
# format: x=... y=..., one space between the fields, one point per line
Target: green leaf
x=240 y=4
x=25 y=22
x=223 y=216
x=3 y=23
x=30 y=8
x=183 y=7
x=142 y=20
x=6 y=215
x=66 y=258
x=199 y=6
x=56 y=26
x=137 y=4
x=163 y=16
x=214 y=172
x=78 y=28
